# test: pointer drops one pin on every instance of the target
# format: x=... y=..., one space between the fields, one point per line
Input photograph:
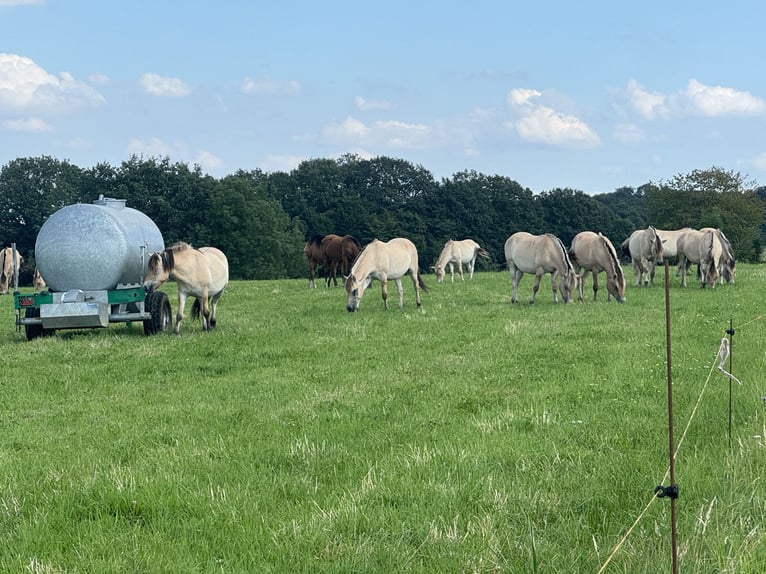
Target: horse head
x=355 y=288
x=439 y=271
x=158 y=270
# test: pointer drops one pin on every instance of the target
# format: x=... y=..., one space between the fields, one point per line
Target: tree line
x=263 y=220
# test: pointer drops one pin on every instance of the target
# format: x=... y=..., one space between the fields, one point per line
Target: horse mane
x=614 y=259
x=180 y=246
x=316 y=239
x=564 y=254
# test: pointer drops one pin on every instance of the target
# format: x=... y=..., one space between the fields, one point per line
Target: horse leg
x=415 y=282
x=538 y=277
x=682 y=269
x=516 y=275
x=180 y=314
x=471 y=264
x=312 y=267
x=460 y=269
x=384 y=291
x=214 y=307
x=399 y=289
x=452 y=271
x=595 y=285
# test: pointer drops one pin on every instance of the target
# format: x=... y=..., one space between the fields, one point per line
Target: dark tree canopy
x=262 y=220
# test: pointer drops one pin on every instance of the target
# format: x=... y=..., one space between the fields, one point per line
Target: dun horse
x=645 y=249
x=727 y=268
x=540 y=254
x=202 y=273
x=704 y=248
x=458 y=252
x=595 y=253
x=383 y=261
x=7 y=268
x=38 y=283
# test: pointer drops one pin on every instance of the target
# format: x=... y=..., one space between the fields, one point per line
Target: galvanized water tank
x=96 y=246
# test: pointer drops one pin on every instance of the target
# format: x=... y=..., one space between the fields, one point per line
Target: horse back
x=217 y=266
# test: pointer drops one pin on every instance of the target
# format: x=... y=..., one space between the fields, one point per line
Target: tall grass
x=469 y=436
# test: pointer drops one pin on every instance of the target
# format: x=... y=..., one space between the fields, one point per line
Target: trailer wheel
x=158 y=305
x=34 y=331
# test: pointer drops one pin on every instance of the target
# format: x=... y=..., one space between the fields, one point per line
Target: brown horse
x=339 y=253
x=383 y=261
x=202 y=273
x=7 y=268
x=315 y=256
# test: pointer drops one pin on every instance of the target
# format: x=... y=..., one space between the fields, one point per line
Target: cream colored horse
x=38 y=283
x=202 y=273
x=540 y=254
x=595 y=253
x=703 y=248
x=7 y=268
x=458 y=252
x=645 y=249
x=383 y=261
x=727 y=267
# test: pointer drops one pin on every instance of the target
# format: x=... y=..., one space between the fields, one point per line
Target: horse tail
x=196 y=309
x=421 y=283
x=483 y=252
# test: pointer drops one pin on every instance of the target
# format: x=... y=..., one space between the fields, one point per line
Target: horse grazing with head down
x=595 y=253
x=383 y=261
x=202 y=273
x=7 y=268
x=540 y=254
x=704 y=248
x=458 y=252
x=645 y=249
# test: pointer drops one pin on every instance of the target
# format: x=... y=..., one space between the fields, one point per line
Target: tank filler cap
x=109 y=202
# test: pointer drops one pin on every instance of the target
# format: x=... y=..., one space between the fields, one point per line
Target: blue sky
x=587 y=95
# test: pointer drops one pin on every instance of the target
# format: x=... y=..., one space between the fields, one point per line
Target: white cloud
x=175 y=151
x=545 y=125
x=364 y=104
x=651 y=105
x=270 y=87
x=522 y=96
x=99 y=79
x=25 y=85
x=390 y=133
x=157 y=85
x=28 y=125
x=349 y=129
x=696 y=99
x=721 y=101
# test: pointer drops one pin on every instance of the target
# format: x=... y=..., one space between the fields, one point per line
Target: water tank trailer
x=93 y=257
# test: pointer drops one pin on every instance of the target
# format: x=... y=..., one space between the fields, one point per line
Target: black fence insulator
x=669 y=491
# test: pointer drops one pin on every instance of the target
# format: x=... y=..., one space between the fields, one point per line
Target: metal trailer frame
x=46 y=311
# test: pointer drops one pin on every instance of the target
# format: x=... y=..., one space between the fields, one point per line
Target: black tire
x=158 y=305
x=35 y=331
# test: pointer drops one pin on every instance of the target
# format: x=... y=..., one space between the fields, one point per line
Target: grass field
x=469 y=436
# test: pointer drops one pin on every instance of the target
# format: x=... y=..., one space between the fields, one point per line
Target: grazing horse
x=727 y=268
x=704 y=248
x=339 y=252
x=383 y=261
x=37 y=281
x=540 y=254
x=595 y=253
x=459 y=252
x=202 y=273
x=646 y=249
x=7 y=268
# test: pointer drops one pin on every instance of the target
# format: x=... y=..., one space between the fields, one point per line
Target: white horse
x=645 y=249
x=540 y=254
x=703 y=248
x=458 y=252
x=595 y=253
x=202 y=273
x=383 y=261
x=7 y=267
